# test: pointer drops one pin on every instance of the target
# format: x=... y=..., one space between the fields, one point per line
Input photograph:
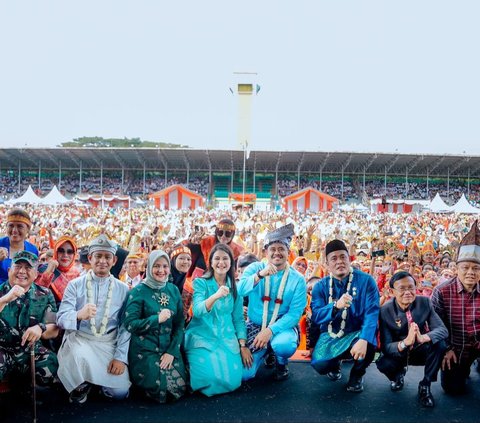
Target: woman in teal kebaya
x=215 y=340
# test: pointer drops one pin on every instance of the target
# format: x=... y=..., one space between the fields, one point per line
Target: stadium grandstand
x=214 y=174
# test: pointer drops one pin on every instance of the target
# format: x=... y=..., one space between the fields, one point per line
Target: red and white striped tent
x=309 y=199
x=177 y=197
x=106 y=200
x=397 y=206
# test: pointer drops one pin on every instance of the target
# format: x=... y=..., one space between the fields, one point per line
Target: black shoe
x=397 y=384
x=281 y=372
x=334 y=376
x=425 y=396
x=355 y=385
x=79 y=395
x=270 y=360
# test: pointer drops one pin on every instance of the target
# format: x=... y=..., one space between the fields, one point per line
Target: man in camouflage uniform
x=27 y=314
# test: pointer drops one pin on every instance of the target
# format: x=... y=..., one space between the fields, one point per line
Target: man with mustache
x=345 y=304
x=27 y=315
x=277 y=296
x=457 y=302
x=95 y=346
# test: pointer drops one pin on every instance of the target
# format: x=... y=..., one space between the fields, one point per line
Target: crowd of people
x=174 y=301
x=350 y=190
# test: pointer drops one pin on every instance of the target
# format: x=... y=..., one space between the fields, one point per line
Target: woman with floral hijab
x=61 y=269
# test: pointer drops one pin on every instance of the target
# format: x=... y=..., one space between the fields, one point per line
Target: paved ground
x=305 y=397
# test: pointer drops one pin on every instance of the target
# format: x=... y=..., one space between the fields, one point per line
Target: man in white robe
x=94 y=350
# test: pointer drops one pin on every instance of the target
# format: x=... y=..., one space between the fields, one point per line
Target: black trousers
x=454 y=381
x=359 y=366
x=428 y=355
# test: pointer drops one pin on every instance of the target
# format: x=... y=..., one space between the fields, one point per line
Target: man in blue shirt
x=277 y=297
x=345 y=305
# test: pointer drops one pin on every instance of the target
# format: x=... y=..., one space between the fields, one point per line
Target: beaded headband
x=225 y=226
x=19 y=218
x=182 y=249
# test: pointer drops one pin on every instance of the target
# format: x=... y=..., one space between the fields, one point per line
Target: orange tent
x=243 y=198
x=177 y=197
x=309 y=199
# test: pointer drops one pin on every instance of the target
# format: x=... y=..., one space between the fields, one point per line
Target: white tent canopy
x=439 y=206
x=463 y=206
x=353 y=207
x=28 y=197
x=54 y=197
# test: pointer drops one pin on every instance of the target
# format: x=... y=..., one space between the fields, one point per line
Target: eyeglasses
x=63 y=251
x=228 y=234
x=24 y=266
x=475 y=269
x=403 y=290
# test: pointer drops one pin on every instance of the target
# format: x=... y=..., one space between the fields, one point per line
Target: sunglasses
x=63 y=251
x=228 y=234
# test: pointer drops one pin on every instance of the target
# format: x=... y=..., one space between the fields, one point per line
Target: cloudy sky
x=336 y=75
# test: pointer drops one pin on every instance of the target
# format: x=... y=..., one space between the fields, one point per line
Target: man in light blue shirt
x=277 y=297
x=95 y=346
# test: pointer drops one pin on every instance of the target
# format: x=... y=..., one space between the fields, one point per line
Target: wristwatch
x=43 y=326
x=259 y=276
x=402 y=345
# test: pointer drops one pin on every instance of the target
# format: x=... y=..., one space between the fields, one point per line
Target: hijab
x=60 y=241
x=152 y=259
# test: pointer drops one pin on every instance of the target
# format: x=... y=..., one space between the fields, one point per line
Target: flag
x=246 y=149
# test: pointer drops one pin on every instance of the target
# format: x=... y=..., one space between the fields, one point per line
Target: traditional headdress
x=284 y=235
x=225 y=225
x=18 y=215
x=413 y=249
x=180 y=249
x=335 y=245
x=469 y=249
x=102 y=243
x=428 y=248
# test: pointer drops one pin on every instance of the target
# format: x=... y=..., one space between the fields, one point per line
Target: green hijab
x=149 y=279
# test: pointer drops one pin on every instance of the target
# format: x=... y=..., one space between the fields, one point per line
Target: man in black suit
x=412 y=333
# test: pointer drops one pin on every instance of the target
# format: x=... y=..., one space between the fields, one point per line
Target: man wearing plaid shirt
x=457 y=302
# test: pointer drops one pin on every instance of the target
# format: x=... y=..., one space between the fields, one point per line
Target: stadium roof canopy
x=159 y=159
